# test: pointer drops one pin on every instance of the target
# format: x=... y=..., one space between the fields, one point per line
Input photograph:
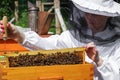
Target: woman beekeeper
x=95 y=25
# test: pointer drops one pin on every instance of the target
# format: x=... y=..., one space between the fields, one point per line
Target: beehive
x=10 y=45
x=82 y=71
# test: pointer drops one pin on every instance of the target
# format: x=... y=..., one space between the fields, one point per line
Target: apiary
x=61 y=64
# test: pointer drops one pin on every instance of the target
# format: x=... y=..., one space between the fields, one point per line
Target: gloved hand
x=92 y=53
x=12 y=32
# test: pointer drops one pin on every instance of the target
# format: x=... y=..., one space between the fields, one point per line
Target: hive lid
x=10 y=46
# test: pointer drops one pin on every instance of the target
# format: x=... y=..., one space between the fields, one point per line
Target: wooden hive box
x=82 y=71
x=10 y=45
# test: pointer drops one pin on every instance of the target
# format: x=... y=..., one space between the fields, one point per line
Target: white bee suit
x=110 y=52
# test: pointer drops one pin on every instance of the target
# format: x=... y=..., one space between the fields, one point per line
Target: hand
x=93 y=53
x=12 y=32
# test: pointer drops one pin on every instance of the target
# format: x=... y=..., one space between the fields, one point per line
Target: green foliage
x=47 y=0
x=6 y=8
x=23 y=13
x=23 y=20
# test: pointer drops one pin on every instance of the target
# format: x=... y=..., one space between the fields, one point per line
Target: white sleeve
x=110 y=69
x=34 y=42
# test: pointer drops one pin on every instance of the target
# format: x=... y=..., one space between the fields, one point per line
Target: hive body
x=77 y=71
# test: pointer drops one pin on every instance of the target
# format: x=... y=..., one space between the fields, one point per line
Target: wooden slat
x=68 y=72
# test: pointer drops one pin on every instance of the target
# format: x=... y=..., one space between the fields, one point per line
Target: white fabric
x=100 y=7
x=109 y=52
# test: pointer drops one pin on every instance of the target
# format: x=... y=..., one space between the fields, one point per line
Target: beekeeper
x=93 y=24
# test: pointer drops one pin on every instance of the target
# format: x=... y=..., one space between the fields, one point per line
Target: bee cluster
x=40 y=59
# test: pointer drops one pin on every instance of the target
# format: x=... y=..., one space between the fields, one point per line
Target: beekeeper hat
x=100 y=7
